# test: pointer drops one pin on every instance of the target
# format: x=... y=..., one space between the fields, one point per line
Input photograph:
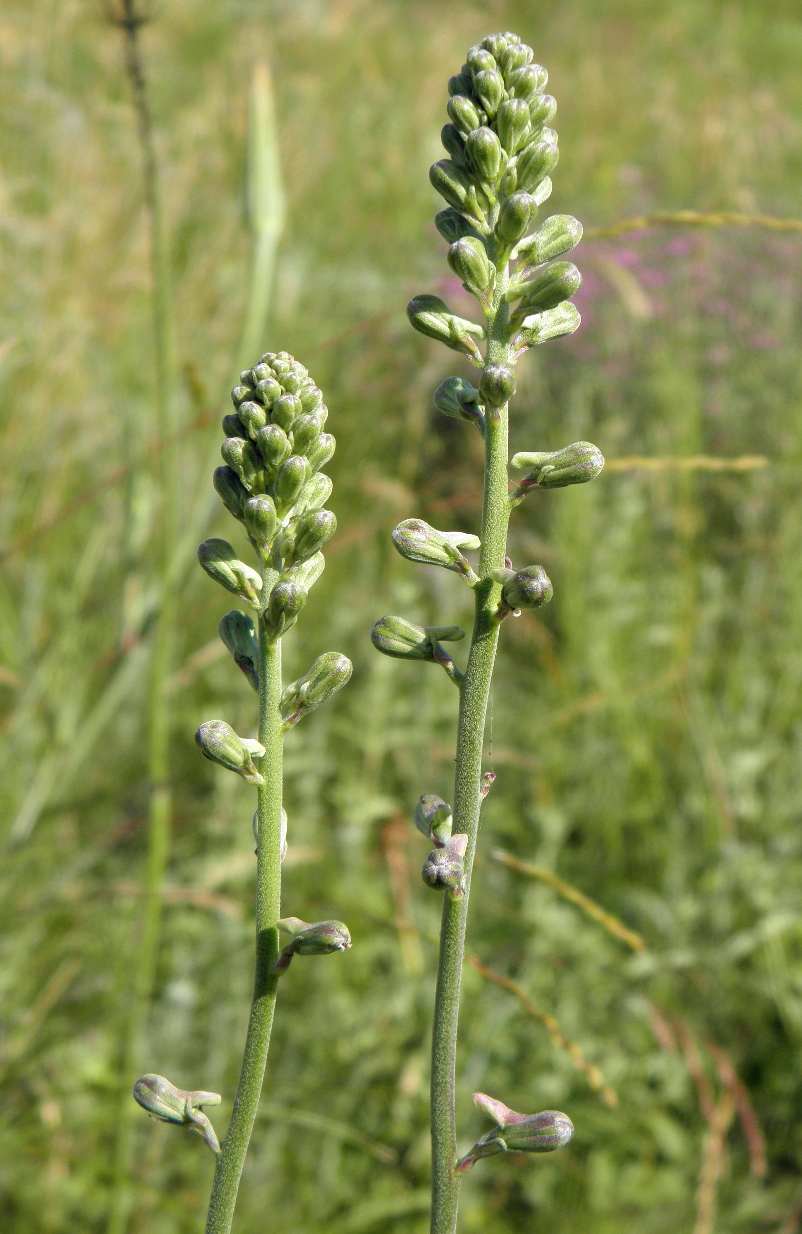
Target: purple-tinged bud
x=443 y=869
x=163 y=1101
x=517 y=1133
x=433 y=819
x=575 y=464
x=329 y=673
x=496 y=385
x=321 y=938
x=220 y=744
x=284 y=607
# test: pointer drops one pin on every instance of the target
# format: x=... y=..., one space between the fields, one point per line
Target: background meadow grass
x=645 y=727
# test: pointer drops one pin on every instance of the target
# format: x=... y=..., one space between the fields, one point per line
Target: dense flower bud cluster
x=274 y=448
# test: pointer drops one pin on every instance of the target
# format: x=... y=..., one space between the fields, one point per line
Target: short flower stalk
x=272 y=483
x=501 y=153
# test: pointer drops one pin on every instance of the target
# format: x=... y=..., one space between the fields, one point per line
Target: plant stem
x=268 y=908
x=158 y=714
x=474 y=697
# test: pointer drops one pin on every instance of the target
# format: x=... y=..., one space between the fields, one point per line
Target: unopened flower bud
x=469 y=261
x=233 y=426
x=315 y=493
x=284 y=606
x=528 y=82
x=320 y=451
x=242 y=458
x=259 y=515
x=452 y=142
x=221 y=563
x=513 y=218
x=312 y=399
x=527 y=588
x=240 y=393
x=403 y=640
x=554 y=323
x=517 y=1133
x=513 y=57
x=512 y=124
x=433 y=819
x=575 y=464
x=479 y=59
x=238 y=633
x=304 y=573
x=496 y=385
x=557 y=283
x=417 y=541
x=485 y=155
x=488 y=85
x=313 y=531
x=452 y=183
x=253 y=417
x=306 y=431
x=322 y=938
x=329 y=673
x=557 y=235
x=463 y=114
x=268 y=388
x=542 y=109
x=458 y=398
x=535 y=163
x=273 y=446
x=443 y=869
x=162 y=1100
x=220 y=744
x=289 y=481
x=230 y=489
x=286 y=410
x=432 y=317
x=452 y=225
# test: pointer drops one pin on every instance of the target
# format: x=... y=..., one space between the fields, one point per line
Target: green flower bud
x=458 y=398
x=253 y=417
x=221 y=563
x=305 y=574
x=329 y=673
x=452 y=225
x=311 y=399
x=469 y=261
x=286 y=410
x=544 y=326
x=453 y=184
x=485 y=155
x=322 y=938
x=230 y=489
x=527 y=82
x=575 y=464
x=463 y=114
x=240 y=393
x=542 y=110
x=315 y=494
x=259 y=515
x=513 y=57
x=274 y=446
x=306 y=431
x=432 y=317
x=285 y=604
x=488 y=86
x=238 y=633
x=557 y=283
x=496 y=385
x=513 y=218
x=320 y=451
x=535 y=162
x=289 y=481
x=293 y=382
x=162 y=1100
x=433 y=819
x=314 y=530
x=459 y=84
x=242 y=458
x=443 y=868
x=268 y=390
x=509 y=181
x=557 y=235
x=478 y=58
x=512 y=124
x=220 y=744
x=495 y=44
x=527 y=588
x=417 y=541
x=517 y=1133
x=453 y=145
x=233 y=426
x=403 y=640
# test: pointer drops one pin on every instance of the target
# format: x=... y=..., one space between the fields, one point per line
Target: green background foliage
x=645 y=727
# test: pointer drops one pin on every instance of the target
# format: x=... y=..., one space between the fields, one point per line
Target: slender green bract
x=494 y=182
x=271 y=483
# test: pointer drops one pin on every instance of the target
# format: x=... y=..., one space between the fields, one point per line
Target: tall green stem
x=474 y=697
x=158 y=715
x=268 y=901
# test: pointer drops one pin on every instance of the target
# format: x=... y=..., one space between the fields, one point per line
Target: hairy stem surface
x=474 y=698
x=268 y=900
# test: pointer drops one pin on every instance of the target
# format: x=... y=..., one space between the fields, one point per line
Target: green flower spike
x=162 y=1100
x=517 y=1133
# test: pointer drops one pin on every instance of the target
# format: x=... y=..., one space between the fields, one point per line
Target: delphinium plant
x=271 y=482
x=501 y=151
